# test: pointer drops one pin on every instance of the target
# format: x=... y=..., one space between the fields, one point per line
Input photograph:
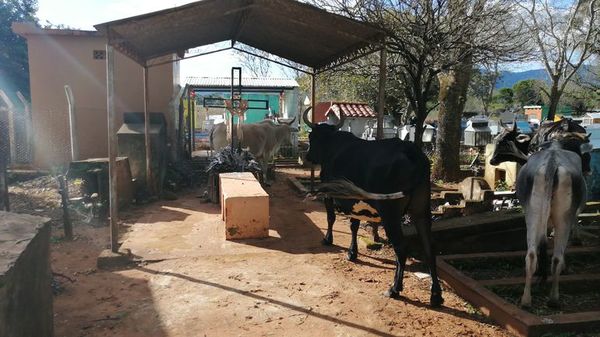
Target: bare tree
x=483 y=82
x=477 y=31
x=259 y=67
x=262 y=64
x=426 y=39
x=414 y=43
x=565 y=38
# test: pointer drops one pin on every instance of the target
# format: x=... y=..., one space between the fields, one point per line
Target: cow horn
x=305 y=118
x=515 y=124
x=288 y=123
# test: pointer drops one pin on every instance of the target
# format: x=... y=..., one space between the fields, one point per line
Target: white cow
x=262 y=139
x=552 y=190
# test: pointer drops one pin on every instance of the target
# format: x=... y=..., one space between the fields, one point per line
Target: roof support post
x=147 y=145
x=189 y=121
x=193 y=119
x=313 y=96
x=112 y=149
x=382 y=80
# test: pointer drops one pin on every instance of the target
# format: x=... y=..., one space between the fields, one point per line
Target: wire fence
x=15 y=131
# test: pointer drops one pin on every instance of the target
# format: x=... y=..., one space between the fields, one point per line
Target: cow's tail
x=549 y=183
x=345 y=189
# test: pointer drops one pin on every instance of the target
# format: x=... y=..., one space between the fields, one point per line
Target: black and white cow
x=384 y=167
x=514 y=146
x=552 y=190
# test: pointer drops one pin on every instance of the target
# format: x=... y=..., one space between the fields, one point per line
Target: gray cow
x=552 y=190
x=262 y=139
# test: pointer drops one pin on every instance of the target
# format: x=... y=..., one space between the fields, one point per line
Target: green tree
x=566 y=36
x=14 y=65
x=505 y=97
x=580 y=98
x=483 y=82
x=528 y=92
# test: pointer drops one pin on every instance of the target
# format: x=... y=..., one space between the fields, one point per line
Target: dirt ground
x=190 y=281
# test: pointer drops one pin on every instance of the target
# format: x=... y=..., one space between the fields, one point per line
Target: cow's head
x=511 y=145
x=319 y=137
x=579 y=143
x=284 y=131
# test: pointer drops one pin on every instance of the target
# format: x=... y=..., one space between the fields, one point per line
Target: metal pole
x=382 y=79
x=313 y=95
x=72 y=124
x=64 y=196
x=112 y=149
x=189 y=121
x=180 y=140
x=147 y=145
x=193 y=112
x=4 y=202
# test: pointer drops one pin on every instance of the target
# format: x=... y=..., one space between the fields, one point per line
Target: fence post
x=64 y=195
x=11 y=126
x=4 y=203
x=72 y=124
x=28 y=126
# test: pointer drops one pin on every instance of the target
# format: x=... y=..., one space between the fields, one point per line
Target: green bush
x=502 y=185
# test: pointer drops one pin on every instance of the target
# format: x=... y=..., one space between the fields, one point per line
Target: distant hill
x=508 y=78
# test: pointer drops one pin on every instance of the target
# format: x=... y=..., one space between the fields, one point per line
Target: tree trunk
x=554 y=98
x=419 y=132
x=452 y=97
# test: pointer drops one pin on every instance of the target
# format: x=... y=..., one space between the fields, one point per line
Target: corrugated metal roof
x=248 y=82
x=27 y=28
x=290 y=29
x=351 y=110
x=593 y=115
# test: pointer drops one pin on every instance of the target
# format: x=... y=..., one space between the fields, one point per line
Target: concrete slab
x=25 y=276
x=109 y=260
x=244 y=206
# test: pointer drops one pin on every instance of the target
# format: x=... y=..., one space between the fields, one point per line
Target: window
x=99 y=54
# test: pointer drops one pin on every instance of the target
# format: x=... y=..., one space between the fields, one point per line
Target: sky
x=84 y=14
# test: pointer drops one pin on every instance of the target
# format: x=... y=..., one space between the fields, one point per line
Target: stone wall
x=25 y=276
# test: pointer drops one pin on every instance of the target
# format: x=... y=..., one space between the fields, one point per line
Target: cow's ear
x=522 y=138
x=586 y=147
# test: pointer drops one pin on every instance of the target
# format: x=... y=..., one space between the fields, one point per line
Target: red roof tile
x=351 y=110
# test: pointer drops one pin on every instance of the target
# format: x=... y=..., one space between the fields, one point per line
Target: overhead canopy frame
x=295 y=31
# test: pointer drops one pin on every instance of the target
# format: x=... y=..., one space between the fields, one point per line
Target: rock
x=472 y=188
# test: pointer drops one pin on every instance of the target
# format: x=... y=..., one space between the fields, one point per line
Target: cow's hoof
x=352 y=255
x=327 y=241
x=553 y=303
x=525 y=305
x=391 y=293
x=436 y=300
